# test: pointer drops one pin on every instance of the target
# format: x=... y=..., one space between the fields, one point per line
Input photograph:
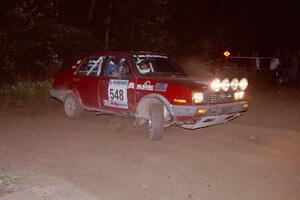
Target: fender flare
x=74 y=91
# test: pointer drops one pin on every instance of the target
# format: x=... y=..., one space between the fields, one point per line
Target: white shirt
x=274 y=63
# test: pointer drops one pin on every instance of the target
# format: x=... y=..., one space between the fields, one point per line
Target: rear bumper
x=188 y=117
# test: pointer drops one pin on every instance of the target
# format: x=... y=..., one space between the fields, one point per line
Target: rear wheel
x=156 y=121
x=72 y=106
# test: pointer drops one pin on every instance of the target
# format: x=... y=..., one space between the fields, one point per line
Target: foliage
x=35 y=44
x=7 y=180
x=24 y=93
x=149 y=26
x=38 y=37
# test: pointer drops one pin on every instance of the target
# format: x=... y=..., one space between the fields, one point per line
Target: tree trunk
x=133 y=27
x=92 y=7
x=108 y=22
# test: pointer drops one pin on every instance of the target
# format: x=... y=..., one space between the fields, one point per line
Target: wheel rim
x=70 y=106
x=150 y=126
x=167 y=115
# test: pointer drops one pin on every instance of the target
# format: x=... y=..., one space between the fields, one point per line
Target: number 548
x=116 y=94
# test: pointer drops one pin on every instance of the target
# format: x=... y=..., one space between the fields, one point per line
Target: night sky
x=260 y=25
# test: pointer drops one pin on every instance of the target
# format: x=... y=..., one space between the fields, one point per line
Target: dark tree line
x=39 y=36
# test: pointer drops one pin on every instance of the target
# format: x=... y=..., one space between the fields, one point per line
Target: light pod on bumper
x=243 y=84
x=225 y=84
x=234 y=84
x=215 y=85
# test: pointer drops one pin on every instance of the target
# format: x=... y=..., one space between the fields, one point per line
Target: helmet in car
x=143 y=67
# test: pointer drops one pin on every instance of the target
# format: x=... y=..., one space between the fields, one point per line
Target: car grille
x=221 y=97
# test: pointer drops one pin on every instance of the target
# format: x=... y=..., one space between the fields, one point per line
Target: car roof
x=129 y=53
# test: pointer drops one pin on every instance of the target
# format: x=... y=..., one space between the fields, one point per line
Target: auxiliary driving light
x=243 y=84
x=215 y=85
x=225 y=84
x=234 y=84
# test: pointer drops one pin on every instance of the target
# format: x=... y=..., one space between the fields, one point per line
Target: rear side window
x=91 y=66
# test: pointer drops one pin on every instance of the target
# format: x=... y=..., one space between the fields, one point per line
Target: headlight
x=239 y=95
x=225 y=85
x=234 y=84
x=243 y=84
x=215 y=85
x=198 y=97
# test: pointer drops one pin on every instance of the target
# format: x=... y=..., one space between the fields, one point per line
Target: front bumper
x=188 y=117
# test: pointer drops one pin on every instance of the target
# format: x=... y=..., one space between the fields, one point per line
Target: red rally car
x=149 y=87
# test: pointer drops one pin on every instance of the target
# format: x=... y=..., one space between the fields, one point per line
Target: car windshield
x=156 y=64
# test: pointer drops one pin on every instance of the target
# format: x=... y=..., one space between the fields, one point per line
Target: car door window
x=116 y=67
x=91 y=66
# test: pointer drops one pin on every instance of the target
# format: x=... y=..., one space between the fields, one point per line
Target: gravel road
x=43 y=155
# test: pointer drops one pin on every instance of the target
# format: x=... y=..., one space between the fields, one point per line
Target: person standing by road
x=274 y=66
x=294 y=66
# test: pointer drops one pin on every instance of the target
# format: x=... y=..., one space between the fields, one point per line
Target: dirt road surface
x=43 y=155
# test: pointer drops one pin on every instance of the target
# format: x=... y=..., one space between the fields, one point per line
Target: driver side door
x=117 y=86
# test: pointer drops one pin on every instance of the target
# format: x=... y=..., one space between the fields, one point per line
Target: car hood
x=189 y=82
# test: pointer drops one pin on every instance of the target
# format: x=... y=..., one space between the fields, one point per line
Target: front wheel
x=156 y=121
x=72 y=106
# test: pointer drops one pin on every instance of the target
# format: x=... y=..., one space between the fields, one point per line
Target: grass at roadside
x=7 y=180
x=24 y=93
x=8 y=183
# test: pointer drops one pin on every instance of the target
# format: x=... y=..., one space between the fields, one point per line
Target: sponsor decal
x=146 y=86
x=115 y=104
x=131 y=85
x=150 y=56
x=118 y=82
x=161 y=87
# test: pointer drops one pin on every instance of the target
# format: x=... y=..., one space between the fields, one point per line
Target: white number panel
x=117 y=94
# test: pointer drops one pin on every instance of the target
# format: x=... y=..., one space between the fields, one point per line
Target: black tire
x=156 y=121
x=72 y=106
